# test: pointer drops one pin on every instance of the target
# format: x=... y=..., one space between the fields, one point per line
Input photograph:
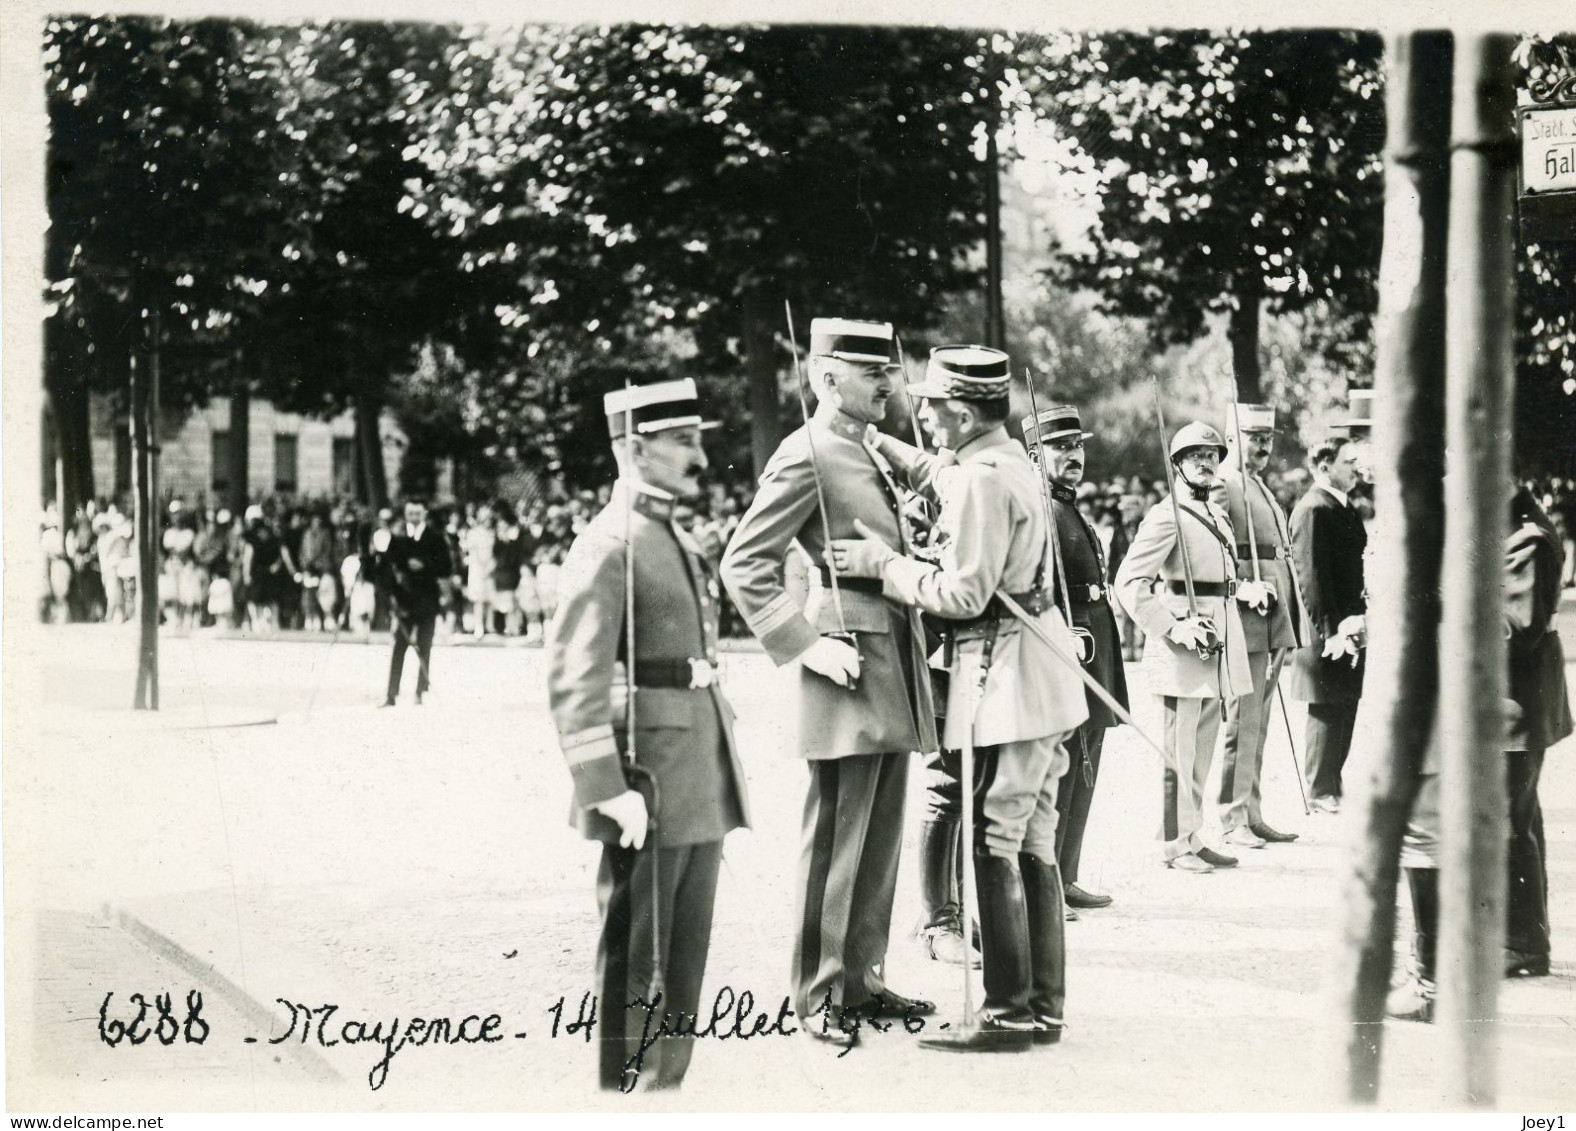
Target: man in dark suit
x=411 y=560
x=660 y=801
x=1328 y=540
x=1081 y=589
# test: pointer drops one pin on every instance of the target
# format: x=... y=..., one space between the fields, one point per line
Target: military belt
x=1205 y=588
x=1086 y=594
x=685 y=674
x=1265 y=554
x=871 y=585
x=1035 y=602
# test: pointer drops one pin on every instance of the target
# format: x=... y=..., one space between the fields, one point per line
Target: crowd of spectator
x=299 y=564
x=287 y=563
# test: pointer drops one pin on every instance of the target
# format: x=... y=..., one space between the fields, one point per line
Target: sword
x=1059 y=568
x=658 y=980
x=1291 y=743
x=820 y=490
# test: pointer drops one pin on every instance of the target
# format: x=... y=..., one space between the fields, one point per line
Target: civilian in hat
x=1081 y=587
x=662 y=799
x=1010 y=695
x=1193 y=659
x=1270 y=603
x=1328 y=541
x=413 y=559
x=863 y=706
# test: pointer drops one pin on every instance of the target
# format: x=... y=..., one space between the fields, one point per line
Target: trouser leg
x=1527 y=907
x=1075 y=793
x=1191 y=726
x=875 y=879
x=1423 y=883
x=424 y=628
x=838 y=812
x=397 y=660
x=1247 y=723
x=1329 y=738
x=627 y=957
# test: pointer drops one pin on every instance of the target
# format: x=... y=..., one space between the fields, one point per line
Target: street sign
x=1548 y=149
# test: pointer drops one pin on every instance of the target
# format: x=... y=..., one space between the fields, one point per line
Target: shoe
x=1260 y=829
x=1045 y=900
x=1190 y=862
x=1525 y=964
x=988 y=1035
x=1413 y=1001
x=890 y=1005
x=1218 y=859
x=837 y=1038
x=1330 y=804
x=418 y=699
x=945 y=944
x=386 y=703
x=1244 y=837
x=1078 y=897
x=1069 y=915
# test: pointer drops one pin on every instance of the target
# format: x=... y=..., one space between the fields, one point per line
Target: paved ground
x=416 y=862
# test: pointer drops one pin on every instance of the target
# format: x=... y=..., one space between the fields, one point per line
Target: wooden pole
x=145 y=504
x=1401 y=685
x=1480 y=383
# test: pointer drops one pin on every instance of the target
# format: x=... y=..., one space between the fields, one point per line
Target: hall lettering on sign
x=1548 y=150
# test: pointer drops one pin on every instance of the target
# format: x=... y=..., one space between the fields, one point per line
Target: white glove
x=628 y=811
x=381 y=539
x=1257 y=595
x=837 y=660
x=1191 y=632
x=1355 y=628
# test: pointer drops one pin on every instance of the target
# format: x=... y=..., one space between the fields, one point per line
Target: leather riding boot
x=1042 y=892
x=940 y=893
x=1006 y=1024
x=1414 y=1000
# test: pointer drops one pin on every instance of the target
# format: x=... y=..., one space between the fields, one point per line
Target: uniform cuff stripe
x=774 y=615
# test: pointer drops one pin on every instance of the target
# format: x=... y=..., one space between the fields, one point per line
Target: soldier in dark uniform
x=679 y=779
x=1061 y=435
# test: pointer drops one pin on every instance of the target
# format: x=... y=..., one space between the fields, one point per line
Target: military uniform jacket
x=992 y=533
x=890 y=709
x=1537 y=660
x=1156 y=556
x=1328 y=541
x=1083 y=559
x=683 y=737
x=1283 y=625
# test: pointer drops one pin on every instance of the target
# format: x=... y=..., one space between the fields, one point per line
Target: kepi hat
x=654 y=408
x=1249 y=418
x=1056 y=422
x=965 y=373
x=849 y=339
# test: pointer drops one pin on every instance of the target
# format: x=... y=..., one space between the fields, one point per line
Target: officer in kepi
x=657 y=778
x=1011 y=696
x=864 y=691
x=1059 y=433
x=1196 y=655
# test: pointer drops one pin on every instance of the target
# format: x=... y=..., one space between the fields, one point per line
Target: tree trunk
x=1480 y=384
x=369 y=445
x=1400 y=689
x=66 y=384
x=1248 y=290
x=995 y=313
x=240 y=453
x=146 y=522
x=760 y=362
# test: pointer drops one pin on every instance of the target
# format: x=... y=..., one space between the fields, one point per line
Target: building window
x=285 y=465
x=220 y=458
x=344 y=465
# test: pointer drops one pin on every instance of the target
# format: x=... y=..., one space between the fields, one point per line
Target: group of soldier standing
x=963 y=606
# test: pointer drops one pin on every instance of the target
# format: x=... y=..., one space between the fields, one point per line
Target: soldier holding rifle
x=1012 y=699
x=1272 y=618
x=1196 y=656
x=864 y=692
x=650 y=745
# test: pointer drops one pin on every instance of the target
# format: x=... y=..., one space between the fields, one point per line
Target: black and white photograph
x=714 y=559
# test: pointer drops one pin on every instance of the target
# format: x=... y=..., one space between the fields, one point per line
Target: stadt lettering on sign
x=1548 y=150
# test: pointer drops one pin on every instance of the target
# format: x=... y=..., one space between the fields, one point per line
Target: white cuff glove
x=835 y=659
x=628 y=811
x=1257 y=595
